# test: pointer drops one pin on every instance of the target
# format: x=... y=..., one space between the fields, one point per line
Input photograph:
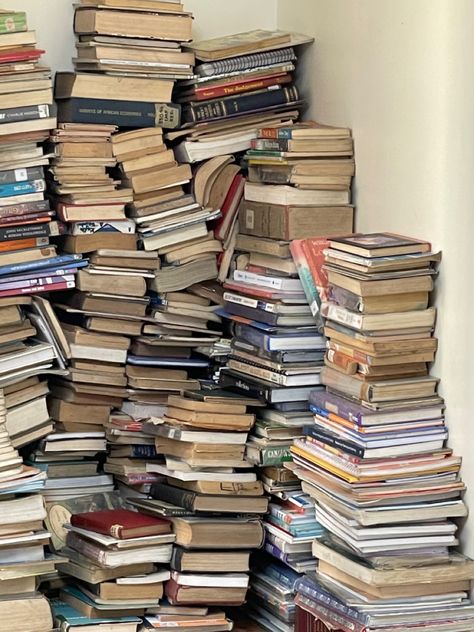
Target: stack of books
x=280 y=205
x=242 y=82
x=88 y=199
x=128 y=58
x=208 y=483
x=272 y=596
x=387 y=489
x=117 y=562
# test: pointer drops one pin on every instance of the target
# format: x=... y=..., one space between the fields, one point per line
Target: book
x=379 y=245
x=242 y=43
x=304 y=130
x=237 y=105
x=120 y=523
x=242 y=63
x=188 y=560
x=276 y=221
x=212 y=533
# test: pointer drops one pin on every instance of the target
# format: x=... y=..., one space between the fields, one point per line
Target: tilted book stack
x=208 y=485
x=278 y=348
x=386 y=488
x=117 y=559
x=241 y=82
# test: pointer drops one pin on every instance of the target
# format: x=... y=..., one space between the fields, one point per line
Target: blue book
x=71 y=268
x=39 y=264
x=22 y=188
x=64 y=612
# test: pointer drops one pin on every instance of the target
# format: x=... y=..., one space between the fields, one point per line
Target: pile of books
x=87 y=197
x=117 y=559
x=28 y=262
x=241 y=82
x=208 y=483
x=387 y=489
x=289 y=206
x=128 y=58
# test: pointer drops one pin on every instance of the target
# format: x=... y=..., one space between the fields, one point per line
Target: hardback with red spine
x=121 y=524
x=230 y=207
x=227 y=90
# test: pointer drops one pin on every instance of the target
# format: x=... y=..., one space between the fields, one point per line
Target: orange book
x=23 y=244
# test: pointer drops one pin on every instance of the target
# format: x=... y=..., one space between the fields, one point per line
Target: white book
x=152 y=578
x=83 y=352
x=197 y=436
x=233 y=477
x=224 y=580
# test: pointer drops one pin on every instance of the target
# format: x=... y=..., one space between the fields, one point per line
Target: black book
x=131 y=114
x=259 y=389
x=29 y=231
x=334 y=441
x=21 y=175
x=279 y=357
x=27 y=113
x=241 y=104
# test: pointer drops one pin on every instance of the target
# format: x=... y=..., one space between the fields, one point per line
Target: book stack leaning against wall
x=242 y=82
x=386 y=487
x=278 y=348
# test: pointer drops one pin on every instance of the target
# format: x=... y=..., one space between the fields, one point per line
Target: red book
x=230 y=207
x=230 y=89
x=18 y=55
x=121 y=524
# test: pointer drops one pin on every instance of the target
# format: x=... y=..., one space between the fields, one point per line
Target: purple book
x=324 y=404
x=67 y=278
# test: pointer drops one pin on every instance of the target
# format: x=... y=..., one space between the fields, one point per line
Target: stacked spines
x=202 y=438
x=233 y=94
x=387 y=489
x=106 y=550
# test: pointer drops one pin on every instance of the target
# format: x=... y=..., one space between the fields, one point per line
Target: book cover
x=121 y=523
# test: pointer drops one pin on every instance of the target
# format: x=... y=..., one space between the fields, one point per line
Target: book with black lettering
x=13 y=176
x=131 y=114
x=29 y=231
x=334 y=441
x=241 y=104
x=280 y=357
x=27 y=113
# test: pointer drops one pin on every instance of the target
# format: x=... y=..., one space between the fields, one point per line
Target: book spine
x=251 y=335
x=143 y=451
x=236 y=383
x=275 y=551
x=342 y=315
x=251 y=313
x=28 y=231
x=25 y=208
x=276 y=133
x=27 y=113
x=174 y=496
x=29 y=283
x=203 y=94
x=23 y=244
x=22 y=188
x=256 y=371
x=267 y=144
x=266 y=175
x=21 y=175
x=37 y=289
x=341 y=361
x=230 y=106
x=347 y=384
x=246 y=62
x=14 y=22
x=37 y=264
x=122 y=113
x=330 y=405
x=314 y=253
x=335 y=442
x=306 y=278
x=85 y=548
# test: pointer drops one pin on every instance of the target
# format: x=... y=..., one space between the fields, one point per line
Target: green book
x=12 y=21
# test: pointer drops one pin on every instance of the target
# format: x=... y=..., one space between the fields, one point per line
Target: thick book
x=288 y=222
x=239 y=87
x=121 y=523
x=239 y=44
x=133 y=114
x=24 y=208
x=30 y=231
x=185 y=560
x=234 y=105
x=262 y=390
x=206 y=503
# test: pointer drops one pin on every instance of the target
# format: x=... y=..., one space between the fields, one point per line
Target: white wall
x=398 y=73
x=53 y=20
